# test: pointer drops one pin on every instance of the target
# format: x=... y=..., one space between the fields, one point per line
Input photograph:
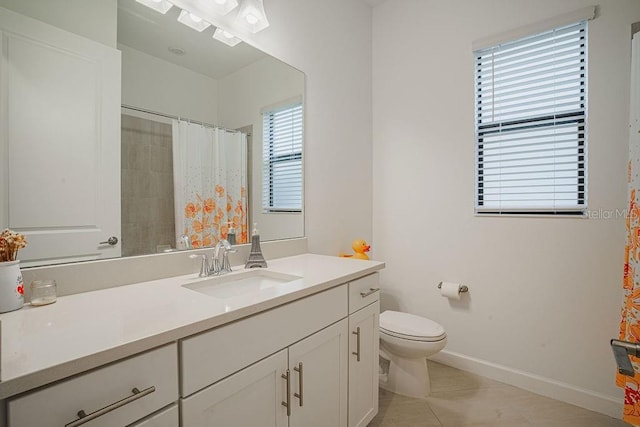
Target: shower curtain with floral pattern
x=210 y=184
x=630 y=324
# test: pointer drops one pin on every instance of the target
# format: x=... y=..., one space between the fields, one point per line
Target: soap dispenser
x=231 y=234
x=256 y=259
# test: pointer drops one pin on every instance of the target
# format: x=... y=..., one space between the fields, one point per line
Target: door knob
x=113 y=240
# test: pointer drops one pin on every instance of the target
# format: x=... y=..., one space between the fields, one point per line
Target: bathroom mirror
x=173 y=76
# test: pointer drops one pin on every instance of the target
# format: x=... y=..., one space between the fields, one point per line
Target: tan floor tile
x=595 y=420
x=446 y=378
x=401 y=411
x=497 y=404
x=462 y=399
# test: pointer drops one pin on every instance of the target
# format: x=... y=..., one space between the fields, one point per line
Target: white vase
x=11 y=286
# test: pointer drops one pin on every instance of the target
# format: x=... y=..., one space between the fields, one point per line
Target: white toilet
x=406 y=340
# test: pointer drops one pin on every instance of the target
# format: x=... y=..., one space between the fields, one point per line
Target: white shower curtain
x=210 y=184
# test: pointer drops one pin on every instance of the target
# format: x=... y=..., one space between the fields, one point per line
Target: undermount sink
x=238 y=284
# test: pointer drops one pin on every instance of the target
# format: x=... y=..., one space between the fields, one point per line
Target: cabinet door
x=318 y=367
x=250 y=398
x=363 y=365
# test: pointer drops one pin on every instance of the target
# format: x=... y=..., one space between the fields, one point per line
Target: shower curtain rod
x=168 y=116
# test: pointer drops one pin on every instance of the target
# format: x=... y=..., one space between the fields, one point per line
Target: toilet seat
x=410 y=327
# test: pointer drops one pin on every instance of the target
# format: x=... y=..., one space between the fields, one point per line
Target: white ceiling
x=151 y=32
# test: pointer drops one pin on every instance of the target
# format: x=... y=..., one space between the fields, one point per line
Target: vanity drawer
x=213 y=355
x=154 y=374
x=363 y=292
x=170 y=417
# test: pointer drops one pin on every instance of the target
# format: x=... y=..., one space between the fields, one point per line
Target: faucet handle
x=226 y=265
x=204 y=266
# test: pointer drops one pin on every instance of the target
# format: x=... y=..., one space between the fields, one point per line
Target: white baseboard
x=588 y=399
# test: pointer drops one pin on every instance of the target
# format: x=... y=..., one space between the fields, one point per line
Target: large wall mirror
x=210 y=140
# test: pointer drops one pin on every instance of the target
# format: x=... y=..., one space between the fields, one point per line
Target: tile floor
x=461 y=399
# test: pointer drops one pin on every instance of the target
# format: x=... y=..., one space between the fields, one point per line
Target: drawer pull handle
x=371 y=291
x=298 y=369
x=357 y=352
x=83 y=417
x=287 y=404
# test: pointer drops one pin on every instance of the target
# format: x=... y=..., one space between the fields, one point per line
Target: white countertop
x=83 y=331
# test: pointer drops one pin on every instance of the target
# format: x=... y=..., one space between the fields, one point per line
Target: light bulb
x=161 y=6
x=226 y=37
x=193 y=21
x=251 y=16
x=251 y=19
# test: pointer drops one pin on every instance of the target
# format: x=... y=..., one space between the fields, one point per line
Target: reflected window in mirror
x=282 y=158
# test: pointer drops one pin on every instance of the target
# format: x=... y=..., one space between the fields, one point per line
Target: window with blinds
x=531 y=99
x=282 y=159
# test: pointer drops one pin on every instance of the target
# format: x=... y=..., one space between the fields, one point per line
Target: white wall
x=545 y=293
x=243 y=95
x=157 y=85
x=330 y=41
x=94 y=19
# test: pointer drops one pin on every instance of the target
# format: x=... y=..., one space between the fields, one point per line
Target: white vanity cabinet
x=283 y=367
x=251 y=397
x=318 y=378
x=106 y=394
x=303 y=385
x=308 y=362
x=364 y=319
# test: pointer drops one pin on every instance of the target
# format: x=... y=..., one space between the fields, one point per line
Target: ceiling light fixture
x=251 y=16
x=226 y=37
x=193 y=21
x=222 y=7
x=161 y=6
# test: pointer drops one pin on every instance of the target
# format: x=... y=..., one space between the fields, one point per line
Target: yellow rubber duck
x=359 y=247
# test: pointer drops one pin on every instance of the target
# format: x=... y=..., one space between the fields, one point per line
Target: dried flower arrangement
x=10 y=243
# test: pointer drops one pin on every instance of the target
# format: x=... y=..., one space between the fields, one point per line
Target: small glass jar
x=43 y=292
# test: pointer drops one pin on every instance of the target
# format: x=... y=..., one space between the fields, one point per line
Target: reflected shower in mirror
x=184 y=185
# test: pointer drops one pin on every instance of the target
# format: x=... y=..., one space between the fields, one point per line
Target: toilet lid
x=410 y=326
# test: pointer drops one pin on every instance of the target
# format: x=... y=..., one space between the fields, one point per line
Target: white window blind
x=531 y=124
x=282 y=159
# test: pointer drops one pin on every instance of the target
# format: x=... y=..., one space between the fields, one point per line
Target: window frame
x=271 y=162
x=577 y=117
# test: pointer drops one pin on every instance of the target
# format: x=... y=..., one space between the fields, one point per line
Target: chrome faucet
x=205 y=266
x=216 y=266
x=224 y=266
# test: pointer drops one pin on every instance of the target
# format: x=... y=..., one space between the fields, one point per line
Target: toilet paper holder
x=462 y=289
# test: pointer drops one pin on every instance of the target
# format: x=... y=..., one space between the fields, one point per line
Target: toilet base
x=408 y=377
